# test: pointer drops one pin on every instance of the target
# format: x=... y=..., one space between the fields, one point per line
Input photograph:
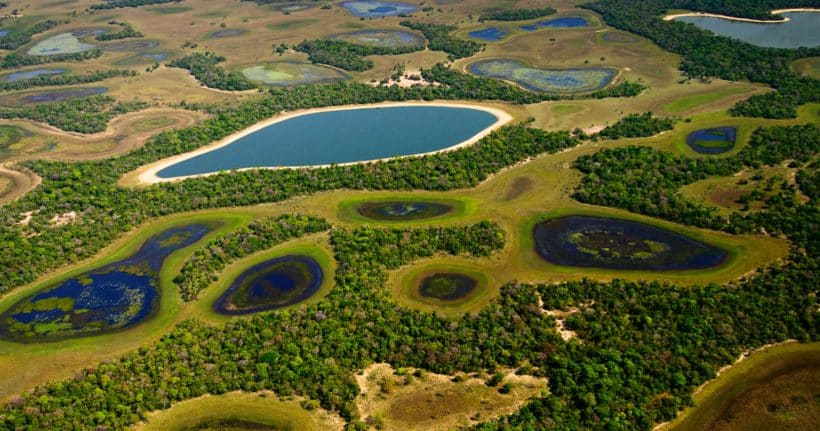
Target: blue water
x=342 y=137
x=63 y=94
x=611 y=241
x=726 y=134
x=28 y=74
x=3 y=33
x=491 y=34
x=568 y=22
x=801 y=30
x=111 y=297
x=272 y=284
x=378 y=9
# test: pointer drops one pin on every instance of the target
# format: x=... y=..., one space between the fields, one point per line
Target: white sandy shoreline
x=734 y=18
x=147 y=174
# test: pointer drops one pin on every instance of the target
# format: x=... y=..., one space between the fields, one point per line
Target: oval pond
x=382 y=38
x=447 y=286
x=542 y=79
x=272 y=284
x=340 y=136
x=105 y=299
x=716 y=140
x=378 y=9
x=403 y=210
x=600 y=242
x=30 y=74
x=799 y=30
x=289 y=73
x=565 y=22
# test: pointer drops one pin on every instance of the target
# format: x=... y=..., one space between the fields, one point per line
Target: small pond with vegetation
x=716 y=140
x=272 y=284
x=403 y=210
x=447 y=286
x=599 y=242
x=105 y=299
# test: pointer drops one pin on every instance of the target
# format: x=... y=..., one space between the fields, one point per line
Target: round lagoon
x=490 y=34
x=799 y=30
x=447 y=286
x=565 y=22
x=712 y=141
x=29 y=74
x=106 y=299
x=338 y=136
x=599 y=242
x=382 y=38
x=64 y=43
x=545 y=80
x=272 y=284
x=378 y=9
x=289 y=73
x=403 y=210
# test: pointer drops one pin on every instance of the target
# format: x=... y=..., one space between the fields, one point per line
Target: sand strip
x=734 y=18
x=147 y=175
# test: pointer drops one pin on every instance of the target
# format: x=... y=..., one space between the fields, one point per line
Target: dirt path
x=21 y=183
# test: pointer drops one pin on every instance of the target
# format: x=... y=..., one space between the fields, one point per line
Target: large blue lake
x=342 y=137
x=800 y=30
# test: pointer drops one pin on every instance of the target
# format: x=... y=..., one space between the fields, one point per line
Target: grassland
x=434 y=402
x=809 y=67
x=264 y=410
x=776 y=387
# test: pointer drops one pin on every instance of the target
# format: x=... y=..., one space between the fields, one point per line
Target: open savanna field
x=387 y=338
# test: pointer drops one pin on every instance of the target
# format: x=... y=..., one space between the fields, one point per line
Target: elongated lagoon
x=340 y=136
x=799 y=30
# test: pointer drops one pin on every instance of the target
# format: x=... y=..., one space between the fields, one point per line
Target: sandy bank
x=734 y=18
x=147 y=175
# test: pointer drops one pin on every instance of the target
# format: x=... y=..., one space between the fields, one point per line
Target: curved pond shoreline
x=148 y=174
x=734 y=18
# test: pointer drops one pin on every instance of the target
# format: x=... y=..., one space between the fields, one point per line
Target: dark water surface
x=402 y=210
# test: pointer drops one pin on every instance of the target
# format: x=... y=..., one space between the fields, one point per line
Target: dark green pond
x=403 y=210
x=447 y=286
x=272 y=284
x=113 y=297
x=716 y=140
x=620 y=244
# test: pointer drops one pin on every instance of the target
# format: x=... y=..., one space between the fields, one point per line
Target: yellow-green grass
x=404 y=286
x=48 y=360
x=809 y=67
x=262 y=408
x=723 y=192
x=687 y=103
x=5 y=185
x=742 y=397
x=514 y=28
x=348 y=209
x=435 y=402
x=314 y=246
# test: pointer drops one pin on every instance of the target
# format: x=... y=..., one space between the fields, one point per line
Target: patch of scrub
x=716 y=140
x=799 y=31
x=106 y=299
x=574 y=80
x=50 y=96
x=228 y=32
x=619 y=37
x=340 y=136
x=290 y=73
x=130 y=45
x=490 y=34
x=598 y=242
x=410 y=400
x=565 y=22
x=378 y=9
x=272 y=284
x=64 y=43
x=403 y=210
x=382 y=38
x=29 y=74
